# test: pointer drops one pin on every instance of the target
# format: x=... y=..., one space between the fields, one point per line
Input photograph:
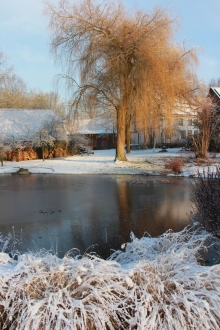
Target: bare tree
x=214 y=82
x=51 y=131
x=16 y=143
x=205 y=197
x=42 y=139
x=56 y=129
x=4 y=147
x=126 y=60
x=15 y=94
x=207 y=122
x=42 y=100
x=5 y=70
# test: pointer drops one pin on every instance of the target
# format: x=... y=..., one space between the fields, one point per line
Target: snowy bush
x=175 y=165
x=4 y=241
x=11 y=243
x=3 y=148
x=206 y=198
x=157 y=283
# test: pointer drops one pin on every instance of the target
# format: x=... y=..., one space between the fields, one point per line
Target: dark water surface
x=79 y=211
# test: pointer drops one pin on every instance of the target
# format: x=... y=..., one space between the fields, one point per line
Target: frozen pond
x=90 y=212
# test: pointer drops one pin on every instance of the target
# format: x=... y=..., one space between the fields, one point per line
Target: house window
x=195 y=122
x=189 y=132
x=180 y=122
x=183 y=134
x=190 y=122
x=103 y=143
x=196 y=132
x=135 y=126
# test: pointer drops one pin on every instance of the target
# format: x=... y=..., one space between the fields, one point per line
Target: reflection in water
x=153 y=207
x=90 y=212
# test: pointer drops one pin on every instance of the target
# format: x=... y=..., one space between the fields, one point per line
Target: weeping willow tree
x=168 y=91
x=127 y=61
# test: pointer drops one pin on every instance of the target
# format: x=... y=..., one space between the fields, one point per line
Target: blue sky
x=24 y=36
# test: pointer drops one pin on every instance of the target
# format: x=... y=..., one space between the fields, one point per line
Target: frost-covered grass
x=11 y=243
x=157 y=283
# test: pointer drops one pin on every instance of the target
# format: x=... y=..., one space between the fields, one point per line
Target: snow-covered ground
x=102 y=162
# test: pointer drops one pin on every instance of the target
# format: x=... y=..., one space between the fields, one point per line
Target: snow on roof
x=216 y=90
x=94 y=126
x=184 y=110
x=21 y=122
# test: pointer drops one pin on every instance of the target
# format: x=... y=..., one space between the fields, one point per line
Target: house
x=180 y=128
x=101 y=133
x=19 y=127
x=214 y=93
x=183 y=126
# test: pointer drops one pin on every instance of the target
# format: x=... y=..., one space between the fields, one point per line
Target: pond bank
x=147 y=162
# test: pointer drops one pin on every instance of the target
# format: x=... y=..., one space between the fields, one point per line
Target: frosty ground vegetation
x=156 y=283
x=11 y=244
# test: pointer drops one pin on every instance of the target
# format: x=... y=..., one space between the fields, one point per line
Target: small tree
x=14 y=92
x=55 y=128
x=214 y=82
x=5 y=70
x=206 y=197
x=78 y=141
x=42 y=139
x=3 y=148
x=16 y=143
x=207 y=122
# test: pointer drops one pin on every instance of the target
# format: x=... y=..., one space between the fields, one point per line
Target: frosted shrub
x=157 y=283
x=11 y=243
x=175 y=165
x=3 y=243
x=206 y=198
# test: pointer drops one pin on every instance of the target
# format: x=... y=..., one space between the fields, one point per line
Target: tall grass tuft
x=157 y=283
x=12 y=243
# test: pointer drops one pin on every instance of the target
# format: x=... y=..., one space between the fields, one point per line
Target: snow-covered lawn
x=102 y=162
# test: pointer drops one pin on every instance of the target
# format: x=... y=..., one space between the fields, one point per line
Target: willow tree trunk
x=128 y=135
x=154 y=142
x=203 y=150
x=17 y=156
x=120 y=144
x=43 y=152
x=206 y=135
x=145 y=137
x=66 y=146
